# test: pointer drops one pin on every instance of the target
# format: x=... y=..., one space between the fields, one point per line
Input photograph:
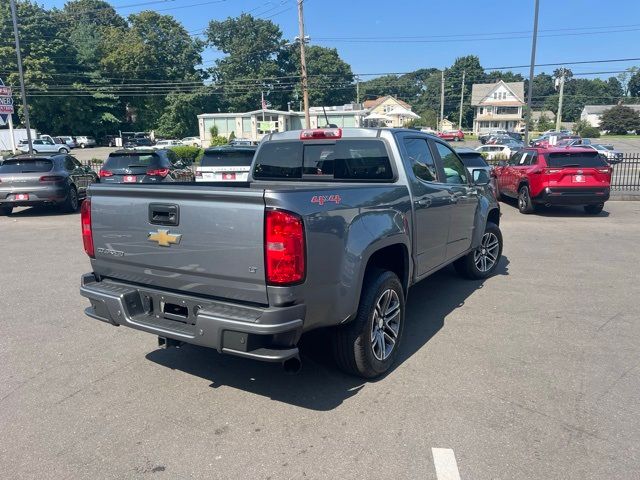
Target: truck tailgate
x=205 y=240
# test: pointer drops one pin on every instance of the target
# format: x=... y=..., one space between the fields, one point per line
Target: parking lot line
x=445 y=462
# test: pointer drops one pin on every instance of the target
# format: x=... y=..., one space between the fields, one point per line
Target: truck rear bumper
x=268 y=334
x=573 y=196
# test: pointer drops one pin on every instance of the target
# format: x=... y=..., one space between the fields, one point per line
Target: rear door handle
x=424 y=202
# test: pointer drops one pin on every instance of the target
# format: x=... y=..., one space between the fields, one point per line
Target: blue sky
x=411 y=34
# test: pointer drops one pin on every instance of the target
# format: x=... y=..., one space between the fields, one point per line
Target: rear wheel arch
x=393 y=258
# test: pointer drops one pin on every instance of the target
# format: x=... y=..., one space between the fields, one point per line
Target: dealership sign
x=6 y=103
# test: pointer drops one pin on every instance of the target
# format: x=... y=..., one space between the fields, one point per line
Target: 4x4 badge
x=164 y=238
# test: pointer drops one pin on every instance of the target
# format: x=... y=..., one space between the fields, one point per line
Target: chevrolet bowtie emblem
x=164 y=238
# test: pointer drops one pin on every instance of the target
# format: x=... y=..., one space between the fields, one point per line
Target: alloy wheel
x=486 y=255
x=386 y=324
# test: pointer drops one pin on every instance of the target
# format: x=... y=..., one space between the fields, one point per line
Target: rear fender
x=384 y=229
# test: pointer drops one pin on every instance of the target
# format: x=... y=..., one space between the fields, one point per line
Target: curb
x=625 y=196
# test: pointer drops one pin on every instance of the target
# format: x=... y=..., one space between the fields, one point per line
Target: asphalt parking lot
x=531 y=374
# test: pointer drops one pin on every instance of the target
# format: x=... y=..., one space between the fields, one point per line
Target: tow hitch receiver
x=164 y=342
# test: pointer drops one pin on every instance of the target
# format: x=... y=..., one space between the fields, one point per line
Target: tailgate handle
x=164 y=214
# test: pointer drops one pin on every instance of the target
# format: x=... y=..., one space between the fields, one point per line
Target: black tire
x=82 y=145
x=471 y=265
x=5 y=211
x=354 y=349
x=525 y=205
x=594 y=209
x=72 y=203
x=63 y=150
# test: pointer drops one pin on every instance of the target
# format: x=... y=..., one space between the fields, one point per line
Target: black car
x=145 y=166
x=473 y=160
x=29 y=180
x=138 y=142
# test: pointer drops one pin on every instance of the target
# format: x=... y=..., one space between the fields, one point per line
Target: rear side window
x=26 y=165
x=228 y=158
x=342 y=160
x=575 y=159
x=131 y=160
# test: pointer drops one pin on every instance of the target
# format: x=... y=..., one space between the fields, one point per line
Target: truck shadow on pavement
x=40 y=211
x=320 y=385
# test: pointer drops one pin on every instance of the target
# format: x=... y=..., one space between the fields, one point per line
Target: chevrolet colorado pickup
x=330 y=230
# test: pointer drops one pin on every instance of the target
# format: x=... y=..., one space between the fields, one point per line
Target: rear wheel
x=71 y=203
x=525 y=205
x=63 y=150
x=483 y=261
x=594 y=209
x=82 y=145
x=368 y=345
x=4 y=211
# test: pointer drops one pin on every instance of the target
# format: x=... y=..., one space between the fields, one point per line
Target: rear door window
x=31 y=165
x=422 y=163
x=575 y=159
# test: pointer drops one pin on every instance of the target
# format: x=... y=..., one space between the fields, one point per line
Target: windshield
x=227 y=158
x=575 y=159
x=26 y=165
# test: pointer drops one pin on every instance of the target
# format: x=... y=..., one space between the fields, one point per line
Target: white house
x=258 y=123
x=593 y=113
x=497 y=106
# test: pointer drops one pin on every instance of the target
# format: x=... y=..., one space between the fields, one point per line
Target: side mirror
x=480 y=177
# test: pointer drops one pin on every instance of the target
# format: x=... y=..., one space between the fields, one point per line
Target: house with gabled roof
x=497 y=106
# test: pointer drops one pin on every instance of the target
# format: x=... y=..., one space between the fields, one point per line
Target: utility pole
x=25 y=107
x=441 y=101
x=303 y=66
x=559 y=115
x=357 y=89
x=531 y=68
x=464 y=72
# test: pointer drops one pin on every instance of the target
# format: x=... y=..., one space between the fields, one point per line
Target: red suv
x=452 y=135
x=555 y=176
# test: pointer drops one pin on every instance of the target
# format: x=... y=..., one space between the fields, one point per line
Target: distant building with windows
x=497 y=106
x=592 y=114
x=256 y=124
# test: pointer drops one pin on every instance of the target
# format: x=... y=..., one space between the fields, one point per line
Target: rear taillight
x=284 y=248
x=105 y=173
x=158 y=172
x=85 y=223
x=51 y=178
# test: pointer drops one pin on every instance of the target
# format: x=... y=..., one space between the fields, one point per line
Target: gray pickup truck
x=331 y=230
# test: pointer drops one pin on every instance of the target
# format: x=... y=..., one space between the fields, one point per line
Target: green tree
x=179 y=116
x=251 y=66
x=330 y=77
x=634 y=85
x=620 y=119
x=543 y=123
